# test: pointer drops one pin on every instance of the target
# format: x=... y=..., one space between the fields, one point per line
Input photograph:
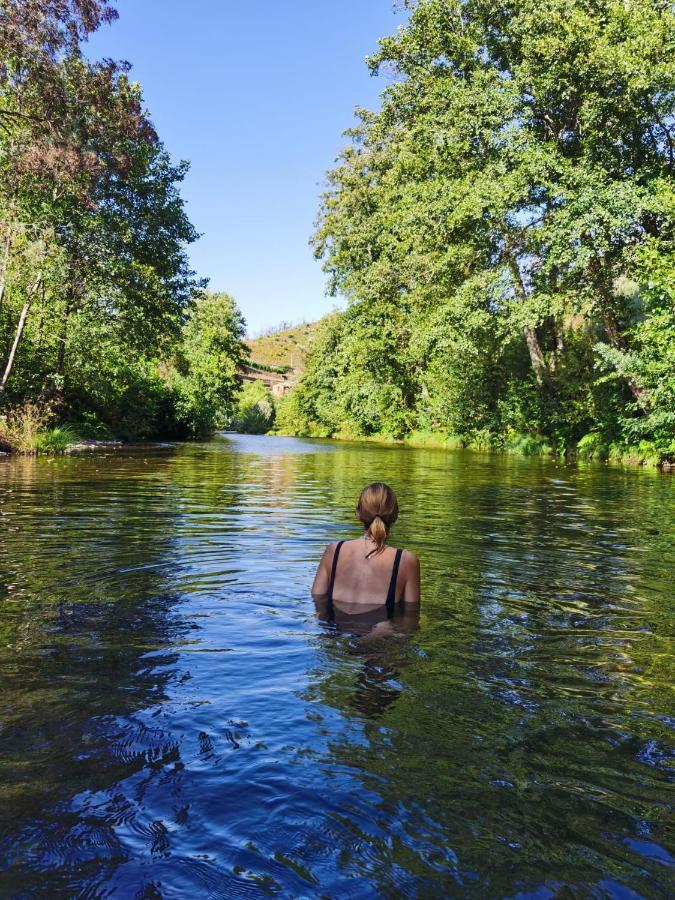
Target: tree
x=502 y=189
x=255 y=411
x=69 y=130
x=95 y=283
x=205 y=376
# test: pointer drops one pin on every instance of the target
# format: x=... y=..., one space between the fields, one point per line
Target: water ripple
x=176 y=722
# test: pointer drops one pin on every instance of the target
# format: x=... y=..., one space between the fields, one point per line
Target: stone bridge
x=279 y=383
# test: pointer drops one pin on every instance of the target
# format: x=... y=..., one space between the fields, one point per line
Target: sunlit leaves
x=493 y=204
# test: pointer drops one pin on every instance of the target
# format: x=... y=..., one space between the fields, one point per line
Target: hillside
x=284 y=346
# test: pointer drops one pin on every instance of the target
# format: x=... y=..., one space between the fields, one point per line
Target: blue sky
x=256 y=96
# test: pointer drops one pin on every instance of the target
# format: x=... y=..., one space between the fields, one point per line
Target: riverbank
x=78 y=447
x=62 y=440
x=517 y=444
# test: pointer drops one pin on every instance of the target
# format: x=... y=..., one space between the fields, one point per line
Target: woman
x=366 y=577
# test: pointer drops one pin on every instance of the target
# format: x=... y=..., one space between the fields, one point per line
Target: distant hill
x=287 y=345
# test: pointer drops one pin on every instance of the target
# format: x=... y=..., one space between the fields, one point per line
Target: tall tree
x=66 y=128
x=512 y=170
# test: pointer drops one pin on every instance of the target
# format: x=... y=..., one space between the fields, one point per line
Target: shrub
x=592 y=446
x=21 y=425
x=255 y=411
x=265 y=367
x=528 y=445
x=56 y=440
x=289 y=417
x=90 y=426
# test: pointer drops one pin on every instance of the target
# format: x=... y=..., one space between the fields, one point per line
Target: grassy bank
x=590 y=448
x=28 y=430
x=31 y=429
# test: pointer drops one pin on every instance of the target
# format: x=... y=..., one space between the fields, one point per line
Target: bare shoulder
x=329 y=551
x=410 y=560
x=411 y=578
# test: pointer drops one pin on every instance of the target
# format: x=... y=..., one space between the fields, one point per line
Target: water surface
x=176 y=722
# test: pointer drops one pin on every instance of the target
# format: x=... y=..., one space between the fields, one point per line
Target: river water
x=175 y=721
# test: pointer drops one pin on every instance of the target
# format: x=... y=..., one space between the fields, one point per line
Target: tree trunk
x=4 y=262
x=7 y=247
x=19 y=333
x=536 y=356
x=559 y=348
x=530 y=333
x=15 y=344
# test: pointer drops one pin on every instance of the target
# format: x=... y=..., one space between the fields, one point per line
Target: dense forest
x=103 y=324
x=504 y=230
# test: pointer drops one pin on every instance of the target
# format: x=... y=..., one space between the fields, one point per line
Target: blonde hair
x=378 y=510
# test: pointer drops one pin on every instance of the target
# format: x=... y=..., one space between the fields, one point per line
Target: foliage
x=98 y=311
x=209 y=356
x=488 y=222
x=592 y=446
x=265 y=367
x=57 y=439
x=527 y=445
x=25 y=429
x=21 y=426
x=649 y=357
x=255 y=411
x=356 y=381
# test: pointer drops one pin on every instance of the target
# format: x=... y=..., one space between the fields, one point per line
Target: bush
x=592 y=446
x=21 y=425
x=266 y=367
x=23 y=429
x=90 y=427
x=289 y=417
x=426 y=438
x=528 y=445
x=56 y=440
x=255 y=411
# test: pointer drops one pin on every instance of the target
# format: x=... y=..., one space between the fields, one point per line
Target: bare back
x=361 y=581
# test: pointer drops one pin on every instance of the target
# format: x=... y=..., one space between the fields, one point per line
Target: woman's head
x=378 y=510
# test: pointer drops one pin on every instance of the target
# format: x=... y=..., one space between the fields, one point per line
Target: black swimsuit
x=391 y=593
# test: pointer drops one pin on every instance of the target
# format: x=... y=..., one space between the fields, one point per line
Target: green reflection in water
x=176 y=718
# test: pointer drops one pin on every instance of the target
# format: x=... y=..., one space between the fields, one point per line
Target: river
x=175 y=721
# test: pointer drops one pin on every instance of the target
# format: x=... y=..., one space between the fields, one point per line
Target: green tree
x=491 y=210
x=205 y=373
x=68 y=128
x=96 y=291
x=356 y=380
x=255 y=410
x=650 y=355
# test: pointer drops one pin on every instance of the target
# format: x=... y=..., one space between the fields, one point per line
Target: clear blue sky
x=256 y=96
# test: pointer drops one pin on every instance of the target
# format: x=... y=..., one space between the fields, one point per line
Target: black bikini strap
x=391 y=596
x=331 y=583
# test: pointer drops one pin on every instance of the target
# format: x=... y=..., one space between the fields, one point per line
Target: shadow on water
x=89 y=640
x=376 y=649
x=176 y=719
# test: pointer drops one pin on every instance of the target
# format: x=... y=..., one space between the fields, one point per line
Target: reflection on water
x=176 y=719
